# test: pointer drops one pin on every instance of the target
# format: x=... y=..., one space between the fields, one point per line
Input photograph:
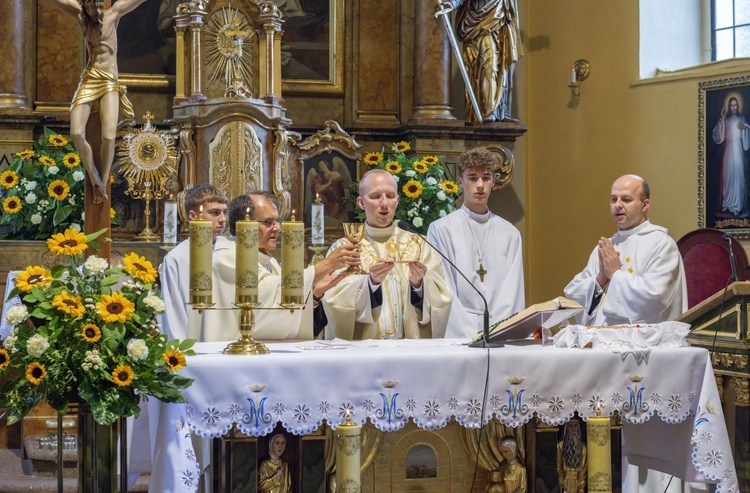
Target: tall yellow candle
x=201 y=246
x=246 y=280
x=348 y=446
x=599 y=453
x=292 y=262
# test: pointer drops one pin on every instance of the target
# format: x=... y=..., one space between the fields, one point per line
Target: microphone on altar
x=485 y=343
x=732 y=260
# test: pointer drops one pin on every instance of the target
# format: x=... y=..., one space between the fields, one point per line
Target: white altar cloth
x=667 y=397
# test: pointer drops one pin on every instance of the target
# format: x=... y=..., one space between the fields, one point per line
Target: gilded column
x=432 y=67
x=182 y=23
x=196 y=62
x=270 y=51
x=17 y=34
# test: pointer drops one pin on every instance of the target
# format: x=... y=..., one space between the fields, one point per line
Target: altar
x=673 y=424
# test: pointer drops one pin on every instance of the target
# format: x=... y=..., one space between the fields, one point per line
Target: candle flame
x=247 y=214
x=201 y=211
x=293 y=219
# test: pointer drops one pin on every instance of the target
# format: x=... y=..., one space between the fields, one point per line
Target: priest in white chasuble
x=637 y=276
x=222 y=325
x=395 y=299
x=484 y=246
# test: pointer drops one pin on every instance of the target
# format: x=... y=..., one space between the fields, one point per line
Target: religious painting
x=421 y=462
x=146 y=43
x=312 y=46
x=723 y=154
x=327 y=177
x=313 y=464
x=244 y=474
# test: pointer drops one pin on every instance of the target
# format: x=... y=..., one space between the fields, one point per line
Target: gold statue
x=98 y=84
x=513 y=472
x=273 y=474
x=491 y=36
x=571 y=459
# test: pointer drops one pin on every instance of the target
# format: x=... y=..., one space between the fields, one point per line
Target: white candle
x=246 y=283
x=170 y=221
x=318 y=222
x=573 y=75
x=292 y=262
x=201 y=250
x=348 y=448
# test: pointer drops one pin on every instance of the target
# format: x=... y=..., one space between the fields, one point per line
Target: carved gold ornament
x=228 y=56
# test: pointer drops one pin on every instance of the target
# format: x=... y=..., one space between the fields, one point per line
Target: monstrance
x=148 y=159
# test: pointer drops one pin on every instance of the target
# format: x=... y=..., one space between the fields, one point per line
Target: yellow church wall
x=620 y=125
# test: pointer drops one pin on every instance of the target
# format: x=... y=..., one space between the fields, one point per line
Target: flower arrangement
x=425 y=194
x=89 y=333
x=42 y=189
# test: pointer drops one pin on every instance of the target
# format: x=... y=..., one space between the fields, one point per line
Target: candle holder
x=317 y=253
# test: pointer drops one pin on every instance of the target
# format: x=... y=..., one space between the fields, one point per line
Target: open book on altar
x=535 y=320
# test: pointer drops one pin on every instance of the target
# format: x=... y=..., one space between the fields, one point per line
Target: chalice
x=354 y=232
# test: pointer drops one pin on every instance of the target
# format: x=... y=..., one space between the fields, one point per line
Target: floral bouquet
x=425 y=195
x=89 y=333
x=42 y=190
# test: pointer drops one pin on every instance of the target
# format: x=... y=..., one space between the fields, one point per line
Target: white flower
x=442 y=213
x=95 y=264
x=44 y=202
x=441 y=195
x=78 y=176
x=395 y=177
x=30 y=185
x=410 y=173
x=37 y=345
x=30 y=198
x=36 y=218
x=431 y=181
x=75 y=226
x=155 y=302
x=417 y=221
x=53 y=170
x=137 y=349
x=16 y=314
x=10 y=342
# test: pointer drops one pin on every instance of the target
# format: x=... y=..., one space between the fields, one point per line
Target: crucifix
x=481 y=272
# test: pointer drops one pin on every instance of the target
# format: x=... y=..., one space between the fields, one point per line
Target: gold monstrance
x=148 y=159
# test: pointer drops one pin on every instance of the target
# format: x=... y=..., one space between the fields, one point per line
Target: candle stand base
x=246 y=345
x=317 y=253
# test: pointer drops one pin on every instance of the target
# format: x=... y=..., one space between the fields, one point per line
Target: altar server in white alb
x=175 y=269
x=486 y=248
x=637 y=276
x=404 y=293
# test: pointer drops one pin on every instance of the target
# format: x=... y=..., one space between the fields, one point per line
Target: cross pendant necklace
x=481 y=272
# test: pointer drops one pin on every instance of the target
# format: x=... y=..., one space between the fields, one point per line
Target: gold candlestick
x=246 y=345
x=599 y=453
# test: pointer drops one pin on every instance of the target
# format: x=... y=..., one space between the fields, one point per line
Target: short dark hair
x=202 y=194
x=238 y=207
x=477 y=159
x=646 y=190
x=268 y=195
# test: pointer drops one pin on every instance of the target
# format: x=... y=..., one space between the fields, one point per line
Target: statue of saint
x=98 y=84
x=491 y=36
x=571 y=459
x=273 y=474
x=513 y=472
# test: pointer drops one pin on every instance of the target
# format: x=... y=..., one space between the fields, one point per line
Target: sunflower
x=115 y=308
x=9 y=179
x=139 y=267
x=69 y=243
x=24 y=155
x=112 y=213
x=12 y=205
x=71 y=160
x=430 y=160
x=69 y=304
x=33 y=276
x=449 y=186
x=59 y=189
x=47 y=161
x=122 y=375
x=35 y=373
x=111 y=179
x=91 y=333
x=393 y=167
x=401 y=146
x=373 y=158
x=419 y=167
x=4 y=358
x=412 y=189
x=58 y=140
x=175 y=359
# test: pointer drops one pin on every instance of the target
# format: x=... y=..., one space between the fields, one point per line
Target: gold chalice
x=354 y=232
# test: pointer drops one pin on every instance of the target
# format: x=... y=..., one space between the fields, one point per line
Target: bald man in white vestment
x=634 y=277
x=486 y=248
x=394 y=300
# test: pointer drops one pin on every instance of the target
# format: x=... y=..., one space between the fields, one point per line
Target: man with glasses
x=269 y=324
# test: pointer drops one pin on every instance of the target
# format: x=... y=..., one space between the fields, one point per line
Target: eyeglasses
x=269 y=223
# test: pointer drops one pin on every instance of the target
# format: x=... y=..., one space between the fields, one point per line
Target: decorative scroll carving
x=283 y=177
x=504 y=173
x=740 y=387
x=333 y=133
x=186 y=173
x=235 y=159
x=720 y=386
x=729 y=360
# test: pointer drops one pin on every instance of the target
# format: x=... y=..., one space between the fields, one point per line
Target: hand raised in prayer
x=379 y=270
x=417 y=271
x=609 y=258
